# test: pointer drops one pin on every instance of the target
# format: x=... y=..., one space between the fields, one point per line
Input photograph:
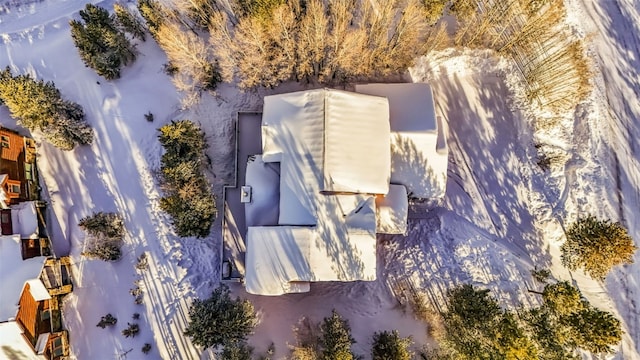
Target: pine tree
x=129 y=22
x=562 y=298
x=107 y=224
x=477 y=328
x=103 y=249
x=220 y=320
x=100 y=42
x=336 y=340
x=388 y=345
x=597 y=246
x=153 y=15
x=107 y=320
x=131 y=331
x=39 y=106
x=105 y=232
x=566 y=321
x=595 y=330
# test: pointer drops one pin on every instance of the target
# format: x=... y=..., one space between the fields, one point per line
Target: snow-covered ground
x=502 y=214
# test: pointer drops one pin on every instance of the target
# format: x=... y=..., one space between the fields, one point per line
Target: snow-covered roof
x=277 y=256
x=411 y=107
x=24 y=219
x=37 y=290
x=284 y=259
x=337 y=136
x=14 y=272
x=419 y=153
x=334 y=152
x=392 y=210
x=13 y=344
x=356 y=143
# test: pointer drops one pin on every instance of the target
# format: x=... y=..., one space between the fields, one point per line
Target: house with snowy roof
x=20 y=213
x=334 y=170
x=30 y=319
x=32 y=279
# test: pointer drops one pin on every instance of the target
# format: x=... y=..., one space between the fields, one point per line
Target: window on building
x=28 y=171
x=4 y=140
x=14 y=189
x=56 y=346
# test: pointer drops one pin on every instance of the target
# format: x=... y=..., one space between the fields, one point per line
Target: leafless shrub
x=193 y=58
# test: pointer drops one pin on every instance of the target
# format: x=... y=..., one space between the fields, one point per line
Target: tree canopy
x=596 y=246
x=271 y=41
x=477 y=328
x=187 y=194
x=38 y=105
x=101 y=41
x=105 y=232
x=221 y=321
x=336 y=340
x=388 y=345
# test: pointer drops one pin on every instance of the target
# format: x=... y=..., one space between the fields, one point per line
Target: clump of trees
x=551 y=62
x=266 y=42
x=476 y=327
x=269 y=42
x=473 y=323
x=105 y=232
x=188 y=197
x=596 y=246
x=101 y=38
x=221 y=321
x=39 y=106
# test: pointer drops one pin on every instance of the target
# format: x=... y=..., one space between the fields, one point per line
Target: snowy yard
x=501 y=217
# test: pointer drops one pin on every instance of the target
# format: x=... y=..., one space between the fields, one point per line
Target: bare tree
x=192 y=56
x=336 y=42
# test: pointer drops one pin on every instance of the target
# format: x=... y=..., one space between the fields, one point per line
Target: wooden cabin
x=41 y=321
x=17 y=167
